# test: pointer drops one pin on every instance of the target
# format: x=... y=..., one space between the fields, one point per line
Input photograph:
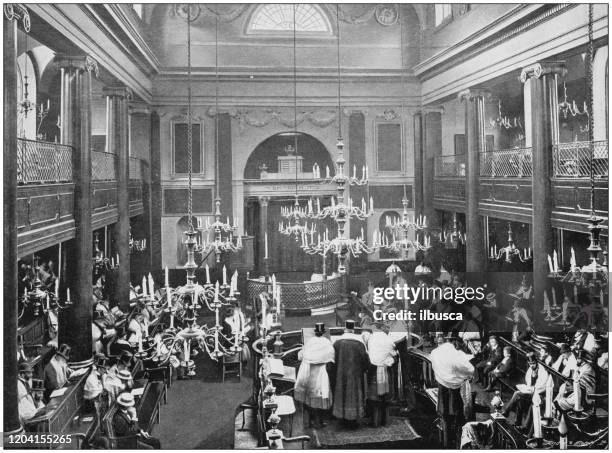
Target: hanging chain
x=295 y=140
x=590 y=101
x=217 y=103
x=338 y=46
x=189 y=123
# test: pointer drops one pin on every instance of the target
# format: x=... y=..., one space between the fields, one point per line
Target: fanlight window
x=278 y=18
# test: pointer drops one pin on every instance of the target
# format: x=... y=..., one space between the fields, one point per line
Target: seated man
x=119 y=344
x=125 y=423
x=535 y=381
x=25 y=401
x=57 y=372
x=38 y=390
x=585 y=374
x=583 y=339
x=491 y=356
x=118 y=383
x=93 y=385
x=566 y=362
x=502 y=369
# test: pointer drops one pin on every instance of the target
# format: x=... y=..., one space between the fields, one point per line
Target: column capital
x=539 y=69
x=263 y=201
x=472 y=93
x=18 y=11
x=139 y=108
x=118 y=91
x=433 y=109
x=84 y=63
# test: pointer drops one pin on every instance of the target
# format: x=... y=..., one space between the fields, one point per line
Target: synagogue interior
x=270 y=226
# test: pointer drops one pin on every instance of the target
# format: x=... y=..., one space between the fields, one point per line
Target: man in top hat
x=57 y=372
x=93 y=385
x=52 y=322
x=351 y=363
x=381 y=351
x=536 y=378
x=502 y=369
x=26 y=407
x=492 y=354
x=312 y=385
x=566 y=362
x=451 y=367
x=585 y=374
x=38 y=390
x=125 y=424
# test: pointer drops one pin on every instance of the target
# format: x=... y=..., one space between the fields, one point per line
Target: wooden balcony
x=449 y=182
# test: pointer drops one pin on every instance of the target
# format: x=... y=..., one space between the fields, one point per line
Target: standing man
x=451 y=367
x=352 y=362
x=381 y=350
x=312 y=384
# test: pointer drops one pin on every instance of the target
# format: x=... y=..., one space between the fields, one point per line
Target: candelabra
x=566 y=107
x=295 y=215
x=41 y=114
x=504 y=121
x=101 y=264
x=223 y=235
x=451 y=239
x=139 y=245
x=510 y=251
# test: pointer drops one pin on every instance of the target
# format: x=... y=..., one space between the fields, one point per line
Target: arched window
x=278 y=19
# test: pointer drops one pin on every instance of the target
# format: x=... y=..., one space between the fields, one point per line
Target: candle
x=537 y=420
x=186 y=351
x=327 y=172
x=529 y=250
x=151 y=285
x=319 y=204
x=573 y=259
x=117 y=259
x=562 y=433
x=266 y=245
x=207 y=274
x=495 y=250
x=112 y=262
x=217 y=317
x=371 y=204
x=48 y=301
x=366 y=171
x=166 y=281
x=224 y=276
x=216 y=291
x=144 y=286
x=577 y=393
x=549 y=398
x=550 y=265
x=68 y=294
x=263 y=312
x=555 y=261
x=554 y=297
x=57 y=288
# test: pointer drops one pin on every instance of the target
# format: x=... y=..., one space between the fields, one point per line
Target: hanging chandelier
x=453 y=237
x=138 y=245
x=101 y=263
x=223 y=232
x=340 y=210
x=510 y=252
x=294 y=214
x=593 y=275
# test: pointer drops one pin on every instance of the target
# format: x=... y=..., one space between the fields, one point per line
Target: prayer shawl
x=26 y=406
x=451 y=366
x=93 y=385
x=565 y=366
x=312 y=383
x=352 y=362
x=380 y=350
x=56 y=373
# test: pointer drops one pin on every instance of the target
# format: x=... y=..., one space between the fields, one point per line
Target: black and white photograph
x=305 y=226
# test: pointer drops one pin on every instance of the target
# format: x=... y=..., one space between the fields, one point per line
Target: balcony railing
x=507 y=163
x=449 y=166
x=103 y=166
x=43 y=162
x=573 y=160
x=135 y=168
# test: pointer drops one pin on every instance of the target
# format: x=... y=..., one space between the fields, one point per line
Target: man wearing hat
x=585 y=374
x=566 y=362
x=119 y=344
x=381 y=351
x=536 y=378
x=492 y=354
x=93 y=385
x=26 y=407
x=125 y=424
x=57 y=372
x=352 y=362
x=38 y=390
x=312 y=383
x=117 y=383
x=451 y=367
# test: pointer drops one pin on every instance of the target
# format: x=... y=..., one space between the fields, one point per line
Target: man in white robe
x=381 y=350
x=25 y=401
x=312 y=385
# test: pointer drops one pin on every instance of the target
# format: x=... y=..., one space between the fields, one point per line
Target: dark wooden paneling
x=135 y=191
x=104 y=195
x=39 y=206
x=515 y=191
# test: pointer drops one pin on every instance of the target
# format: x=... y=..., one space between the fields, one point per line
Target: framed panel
x=389 y=149
x=175 y=201
x=179 y=148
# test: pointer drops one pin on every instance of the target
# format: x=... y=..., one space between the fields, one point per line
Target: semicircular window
x=278 y=18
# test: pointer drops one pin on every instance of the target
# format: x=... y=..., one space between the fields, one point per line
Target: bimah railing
x=43 y=162
x=573 y=160
x=507 y=163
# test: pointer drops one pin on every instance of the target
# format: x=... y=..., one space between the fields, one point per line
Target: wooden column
x=541 y=81
x=156 y=194
x=475 y=135
x=117 y=98
x=11 y=424
x=263 y=228
x=418 y=163
x=75 y=326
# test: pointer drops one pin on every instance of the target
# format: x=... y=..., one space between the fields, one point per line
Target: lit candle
x=207 y=274
x=549 y=398
x=266 y=246
x=537 y=420
x=224 y=276
x=166 y=281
